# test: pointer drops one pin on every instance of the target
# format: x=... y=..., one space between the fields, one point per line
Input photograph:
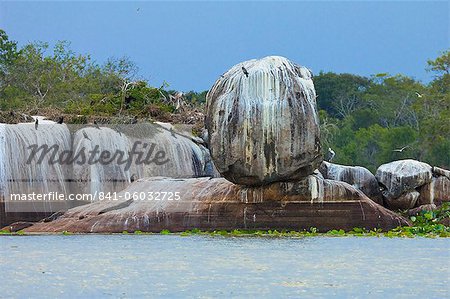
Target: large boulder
x=403 y=176
x=262 y=122
x=217 y=204
x=359 y=177
x=28 y=166
x=182 y=156
x=435 y=192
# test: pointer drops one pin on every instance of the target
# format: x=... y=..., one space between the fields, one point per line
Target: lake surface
x=111 y=266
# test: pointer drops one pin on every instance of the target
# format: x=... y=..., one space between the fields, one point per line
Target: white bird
x=401 y=149
x=418 y=95
x=330 y=154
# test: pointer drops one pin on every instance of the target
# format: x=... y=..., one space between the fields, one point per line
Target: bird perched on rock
x=172 y=132
x=86 y=136
x=36 y=124
x=245 y=71
x=117 y=130
x=61 y=120
x=133 y=178
x=96 y=124
x=330 y=155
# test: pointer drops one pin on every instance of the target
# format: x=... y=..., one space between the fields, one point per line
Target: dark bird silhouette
x=61 y=120
x=330 y=155
x=245 y=71
x=117 y=130
x=96 y=124
x=36 y=124
x=172 y=132
x=86 y=136
x=133 y=178
x=134 y=121
x=401 y=149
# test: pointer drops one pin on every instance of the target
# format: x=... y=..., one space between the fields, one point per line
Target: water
x=124 y=266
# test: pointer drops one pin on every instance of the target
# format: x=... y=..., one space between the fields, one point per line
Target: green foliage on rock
x=37 y=77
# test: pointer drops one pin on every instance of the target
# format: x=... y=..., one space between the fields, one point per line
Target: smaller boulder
x=435 y=192
x=422 y=208
x=359 y=177
x=403 y=176
x=441 y=172
x=405 y=201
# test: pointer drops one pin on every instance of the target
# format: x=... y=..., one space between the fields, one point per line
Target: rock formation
x=359 y=177
x=18 y=176
x=263 y=134
x=435 y=192
x=217 y=204
x=400 y=180
x=186 y=158
x=263 y=126
x=405 y=201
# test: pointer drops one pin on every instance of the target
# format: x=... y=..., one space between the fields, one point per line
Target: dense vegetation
x=35 y=79
x=364 y=120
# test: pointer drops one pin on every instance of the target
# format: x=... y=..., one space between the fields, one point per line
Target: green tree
x=340 y=94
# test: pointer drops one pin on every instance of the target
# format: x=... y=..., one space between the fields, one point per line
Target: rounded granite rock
x=403 y=176
x=262 y=122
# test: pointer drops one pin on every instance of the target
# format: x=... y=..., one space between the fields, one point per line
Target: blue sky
x=189 y=44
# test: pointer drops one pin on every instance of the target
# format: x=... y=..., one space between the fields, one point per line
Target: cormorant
x=36 y=123
x=61 y=120
x=117 y=130
x=172 y=132
x=86 y=136
x=245 y=71
x=133 y=178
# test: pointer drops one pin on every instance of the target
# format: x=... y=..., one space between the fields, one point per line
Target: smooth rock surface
x=359 y=177
x=436 y=192
x=56 y=173
x=217 y=204
x=405 y=201
x=184 y=157
x=264 y=127
x=21 y=172
x=403 y=176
